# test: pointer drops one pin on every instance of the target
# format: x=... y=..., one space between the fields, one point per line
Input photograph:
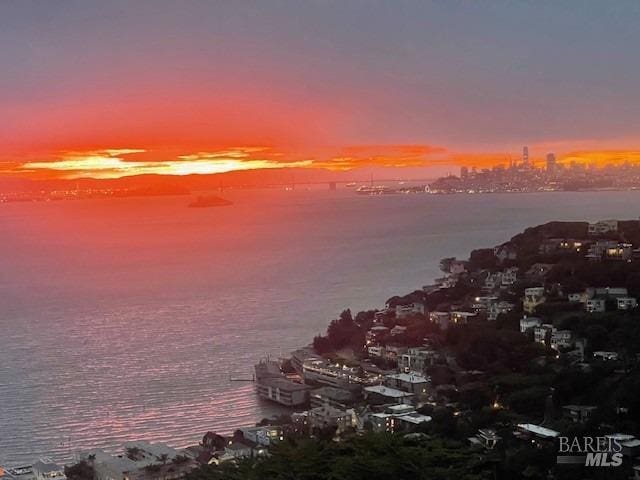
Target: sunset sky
x=109 y=89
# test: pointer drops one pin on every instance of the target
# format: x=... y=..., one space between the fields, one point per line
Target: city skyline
x=110 y=90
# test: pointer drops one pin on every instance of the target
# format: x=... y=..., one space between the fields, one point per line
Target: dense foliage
x=370 y=457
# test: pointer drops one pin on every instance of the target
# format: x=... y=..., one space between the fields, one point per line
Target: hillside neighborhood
x=513 y=347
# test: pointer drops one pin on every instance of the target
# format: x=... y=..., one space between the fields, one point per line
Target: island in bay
x=207 y=201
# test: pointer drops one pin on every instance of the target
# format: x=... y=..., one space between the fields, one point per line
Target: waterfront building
x=299 y=356
x=46 y=469
x=237 y=449
x=264 y=436
x=283 y=391
x=333 y=375
x=139 y=461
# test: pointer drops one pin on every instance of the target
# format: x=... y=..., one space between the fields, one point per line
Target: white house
x=527 y=323
x=595 y=305
x=532 y=298
x=509 y=276
x=603 y=226
x=627 y=303
x=602 y=355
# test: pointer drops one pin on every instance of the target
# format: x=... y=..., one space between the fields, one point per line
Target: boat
x=351 y=185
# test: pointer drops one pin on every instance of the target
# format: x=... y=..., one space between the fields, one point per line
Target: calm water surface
x=124 y=319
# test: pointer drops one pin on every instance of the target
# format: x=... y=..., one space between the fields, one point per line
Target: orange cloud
x=111 y=163
x=384 y=156
x=603 y=157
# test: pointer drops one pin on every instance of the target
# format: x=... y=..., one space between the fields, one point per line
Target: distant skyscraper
x=525 y=156
x=551 y=163
x=464 y=173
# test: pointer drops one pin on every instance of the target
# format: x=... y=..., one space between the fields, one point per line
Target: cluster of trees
x=82 y=470
x=342 y=332
x=484 y=347
x=368 y=457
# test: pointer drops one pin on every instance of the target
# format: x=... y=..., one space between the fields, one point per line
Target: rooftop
x=538 y=430
x=408 y=377
x=387 y=391
x=415 y=418
x=284 y=384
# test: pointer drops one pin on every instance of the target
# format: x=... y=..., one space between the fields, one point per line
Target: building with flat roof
x=408 y=382
x=283 y=391
x=139 y=461
x=380 y=393
x=46 y=469
x=332 y=396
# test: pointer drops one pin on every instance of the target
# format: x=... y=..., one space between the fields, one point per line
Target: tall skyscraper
x=551 y=163
x=464 y=173
x=525 y=156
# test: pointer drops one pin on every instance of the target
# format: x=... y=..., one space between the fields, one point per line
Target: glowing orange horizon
x=110 y=163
